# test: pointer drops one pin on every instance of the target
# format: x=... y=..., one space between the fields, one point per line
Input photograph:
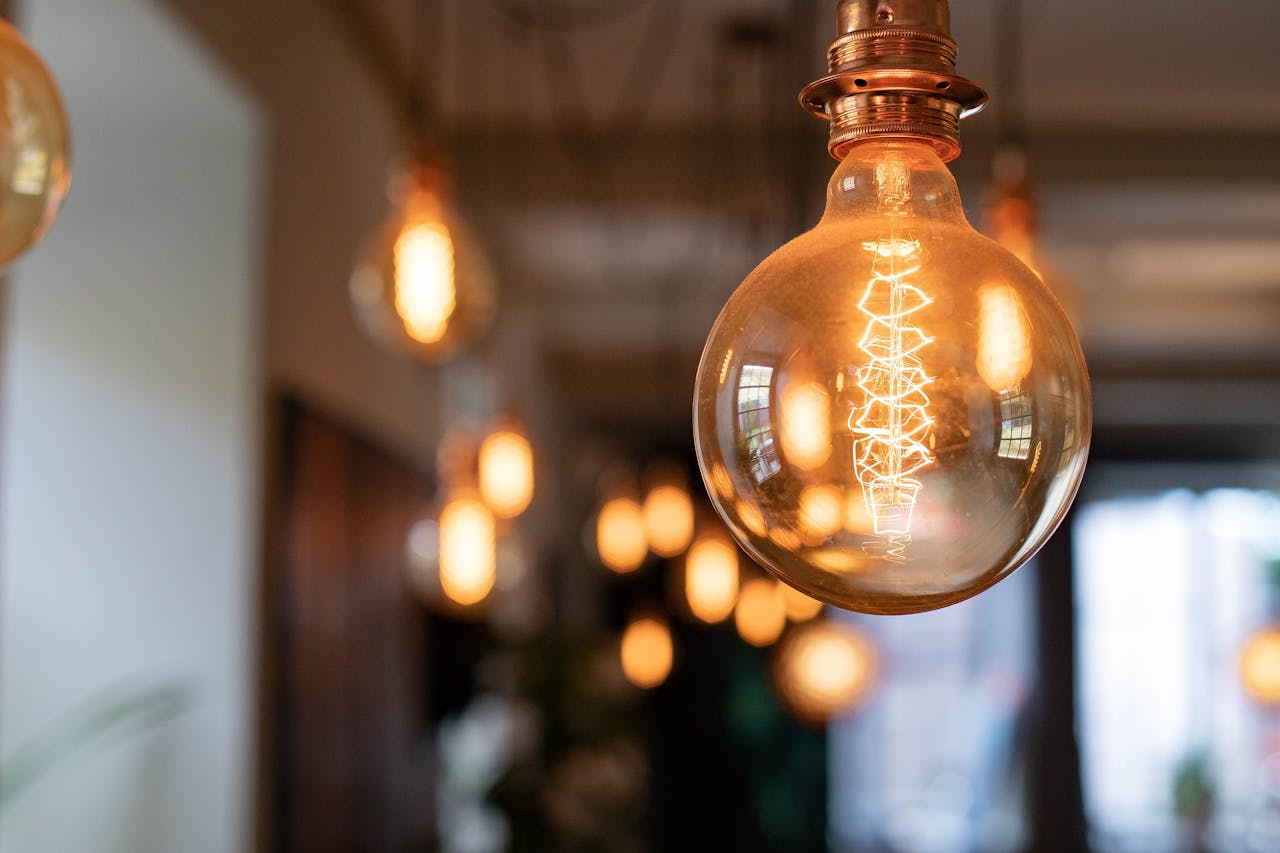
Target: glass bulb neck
x=893 y=178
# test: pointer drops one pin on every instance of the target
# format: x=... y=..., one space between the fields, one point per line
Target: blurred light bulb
x=759 y=615
x=711 y=578
x=668 y=512
x=423 y=284
x=620 y=535
x=797 y=606
x=953 y=392
x=824 y=669
x=1260 y=666
x=35 y=146
x=647 y=652
x=506 y=472
x=468 y=550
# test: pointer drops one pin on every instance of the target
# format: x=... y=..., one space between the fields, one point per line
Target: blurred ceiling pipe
x=375 y=49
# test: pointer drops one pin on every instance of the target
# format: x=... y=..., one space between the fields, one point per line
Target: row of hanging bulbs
x=822 y=668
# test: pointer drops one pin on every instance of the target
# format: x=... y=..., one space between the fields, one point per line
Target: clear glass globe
x=892 y=412
x=35 y=146
x=423 y=284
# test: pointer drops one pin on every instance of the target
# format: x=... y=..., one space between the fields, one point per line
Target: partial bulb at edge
x=896 y=363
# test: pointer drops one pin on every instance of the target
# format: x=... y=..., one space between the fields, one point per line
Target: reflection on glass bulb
x=892 y=413
x=423 y=284
x=1004 y=341
x=35 y=171
x=711 y=578
x=468 y=550
x=620 y=535
x=506 y=473
x=647 y=652
x=824 y=669
x=805 y=425
x=759 y=615
x=1260 y=666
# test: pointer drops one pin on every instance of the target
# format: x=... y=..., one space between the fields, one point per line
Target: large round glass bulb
x=35 y=146
x=892 y=412
x=423 y=284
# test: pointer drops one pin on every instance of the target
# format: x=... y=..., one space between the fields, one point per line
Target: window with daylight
x=1015 y=425
x=1170 y=587
x=755 y=420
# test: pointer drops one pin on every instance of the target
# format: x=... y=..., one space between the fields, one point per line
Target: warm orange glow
x=824 y=669
x=1260 y=666
x=821 y=511
x=797 y=606
x=759 y=614
x=806 y=425
x=425 y=291
x=751 y=518
x=1004 y=340
x=506 y=473
x=468 y=551
x=720 y=481
x=711 y=578
x=620 y=535
x=668 y=519
x=647 y=652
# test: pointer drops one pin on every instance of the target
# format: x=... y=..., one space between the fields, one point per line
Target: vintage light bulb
x=668 y=511
x=506 y=472
x=955 y=414
x=620 y=534
x=760 y=614
x=647 y=651
x=423 y=284
x=468 y=550
x=35 y=146
x=711 y=577
x=1260 y=666
x=824 y=669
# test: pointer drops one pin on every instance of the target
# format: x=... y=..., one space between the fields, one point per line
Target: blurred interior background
x=224 y=624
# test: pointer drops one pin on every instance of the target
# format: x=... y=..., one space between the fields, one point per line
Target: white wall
x=130 y=422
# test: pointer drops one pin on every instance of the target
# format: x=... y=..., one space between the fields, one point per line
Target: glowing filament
x=1004 y=340
x=425 y=292
x=891 y=428
x=468 y=551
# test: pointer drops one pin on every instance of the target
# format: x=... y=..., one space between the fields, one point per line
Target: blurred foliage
x=102 y=721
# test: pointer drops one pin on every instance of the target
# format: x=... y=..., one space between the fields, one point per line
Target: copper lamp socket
x=893 y=76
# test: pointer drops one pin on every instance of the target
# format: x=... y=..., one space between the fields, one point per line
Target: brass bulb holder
x=893 y=77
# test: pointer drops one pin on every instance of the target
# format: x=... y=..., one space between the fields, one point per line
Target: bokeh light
x=620 y=535
x=711 y=577
x=647 y=652
x=759 y=615
x=506 y=473
x=824 y=669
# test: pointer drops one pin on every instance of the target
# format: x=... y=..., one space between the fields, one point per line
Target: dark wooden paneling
x=347 y=646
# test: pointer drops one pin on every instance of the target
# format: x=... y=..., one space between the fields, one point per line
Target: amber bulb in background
x=760 y=614
x=468 y=550
x=1260 y=666
x=35 y=146
x=647 y=651
x=824 y=669
x=668 y=511
x=892 y=412
x=506 y=472
x=797 y=606
x=620 y=534
x=423 y=284
x=711 y=577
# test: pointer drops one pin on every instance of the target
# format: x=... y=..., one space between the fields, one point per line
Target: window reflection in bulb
x=939 y=370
